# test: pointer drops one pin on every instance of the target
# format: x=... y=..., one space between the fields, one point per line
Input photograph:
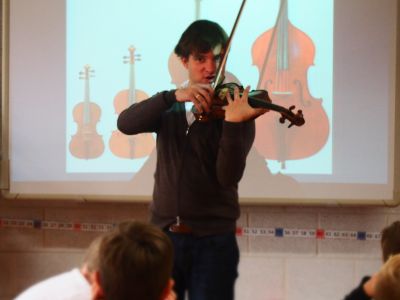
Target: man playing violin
x=199 y=166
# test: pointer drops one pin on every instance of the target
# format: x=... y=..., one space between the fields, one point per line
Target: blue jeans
x=205 y=267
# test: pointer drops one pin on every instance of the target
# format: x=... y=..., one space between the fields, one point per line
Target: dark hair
x=200 y=37
x=390 y=240
x=134 y=262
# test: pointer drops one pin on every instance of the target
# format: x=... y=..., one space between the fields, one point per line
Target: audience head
x=387 y=286
x=132 y=262
x=390 y=240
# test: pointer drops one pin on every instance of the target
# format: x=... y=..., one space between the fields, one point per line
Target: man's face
x=203 y=66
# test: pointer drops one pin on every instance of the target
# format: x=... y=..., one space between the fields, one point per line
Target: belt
x=179 y=227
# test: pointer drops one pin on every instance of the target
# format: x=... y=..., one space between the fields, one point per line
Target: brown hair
x=390 y=240
x=134 y=261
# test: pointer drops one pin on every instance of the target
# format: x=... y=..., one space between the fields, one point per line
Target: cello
x=283 y=56
x=126 y=146
x=86 y=143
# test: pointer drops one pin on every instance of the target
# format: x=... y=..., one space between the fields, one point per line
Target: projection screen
x=70 y=60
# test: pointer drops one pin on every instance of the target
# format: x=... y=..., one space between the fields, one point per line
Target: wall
x=271 y=267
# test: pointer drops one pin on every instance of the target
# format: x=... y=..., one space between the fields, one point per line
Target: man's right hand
x=200 y=94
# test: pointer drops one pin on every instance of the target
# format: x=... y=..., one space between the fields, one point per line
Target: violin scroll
x=294 y=119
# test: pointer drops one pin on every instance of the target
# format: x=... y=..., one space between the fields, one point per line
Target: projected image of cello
x=86 y=143
x=122 y=145
x=283 y=55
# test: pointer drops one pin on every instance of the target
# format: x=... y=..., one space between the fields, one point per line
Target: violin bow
x=221 y=66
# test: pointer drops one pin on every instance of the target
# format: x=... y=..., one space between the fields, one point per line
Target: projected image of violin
x=129 y=146
x=86 y=143
x=256 y=98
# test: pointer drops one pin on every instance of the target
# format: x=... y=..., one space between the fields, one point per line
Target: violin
x=256 y=98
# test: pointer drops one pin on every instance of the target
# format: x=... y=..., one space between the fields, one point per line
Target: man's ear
x=168 y=292
x=95 y=283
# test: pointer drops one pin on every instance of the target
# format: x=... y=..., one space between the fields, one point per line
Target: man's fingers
x=246 y=92
x=236 y=93
x=228 y=97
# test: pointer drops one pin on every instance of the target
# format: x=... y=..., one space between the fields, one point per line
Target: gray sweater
x=198 y=167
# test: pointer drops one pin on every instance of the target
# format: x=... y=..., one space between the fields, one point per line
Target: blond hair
x=388 y=280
